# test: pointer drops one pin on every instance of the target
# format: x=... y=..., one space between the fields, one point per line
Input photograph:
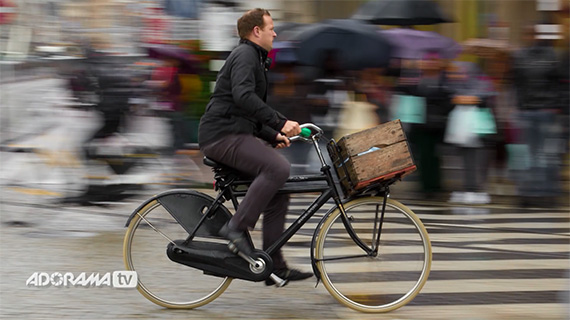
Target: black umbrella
x=281 y=27
x=401 y=12
x=355 y=44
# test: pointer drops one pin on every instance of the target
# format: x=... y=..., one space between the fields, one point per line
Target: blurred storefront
x=124 y=24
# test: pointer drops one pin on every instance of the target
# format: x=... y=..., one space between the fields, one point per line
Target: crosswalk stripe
x=506 y=252
x=447 y=286
x=468 y=265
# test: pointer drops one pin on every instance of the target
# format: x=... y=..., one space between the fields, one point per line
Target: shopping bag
x=518 y=156
x=409 y=109
x=460 y=126
x=484 y=122
x=356 y=116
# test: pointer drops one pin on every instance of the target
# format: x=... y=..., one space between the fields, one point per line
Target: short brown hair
x=251 y=19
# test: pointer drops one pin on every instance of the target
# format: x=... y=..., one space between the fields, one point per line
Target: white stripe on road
x=451 y=286
x=473 y=265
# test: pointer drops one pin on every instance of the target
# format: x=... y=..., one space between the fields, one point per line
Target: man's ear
x=256 y=31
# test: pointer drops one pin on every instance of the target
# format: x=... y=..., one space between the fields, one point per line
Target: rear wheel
x=374 y=283
x=160 y=280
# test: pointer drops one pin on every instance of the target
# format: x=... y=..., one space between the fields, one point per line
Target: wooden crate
x=373 y=155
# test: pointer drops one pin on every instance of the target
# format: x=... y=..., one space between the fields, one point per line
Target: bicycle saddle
x=212 y=163
x=223 y=170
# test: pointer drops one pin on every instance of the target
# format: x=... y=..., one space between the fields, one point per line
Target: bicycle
x=372 y=253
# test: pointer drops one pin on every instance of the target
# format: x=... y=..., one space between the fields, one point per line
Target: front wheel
x=151 y=229
x=378 y=282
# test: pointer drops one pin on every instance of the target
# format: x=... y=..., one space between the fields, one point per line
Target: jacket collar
x=262 y=52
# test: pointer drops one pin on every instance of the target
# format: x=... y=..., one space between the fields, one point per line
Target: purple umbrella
x=188 y=62
x=413 y=44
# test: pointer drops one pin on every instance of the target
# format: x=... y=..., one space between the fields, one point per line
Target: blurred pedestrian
x=373 y=83
x=431 y=84
x=287 y=95
x=113 y=87
x=166 y=80
x=536 y=78
x=333 y=85
x=473 y=94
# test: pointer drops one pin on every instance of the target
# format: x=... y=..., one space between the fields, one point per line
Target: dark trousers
x=542 y=133
x=425 y=144
x=112 y=121
x=270 y=170
x=176 y=121
x=475 y=168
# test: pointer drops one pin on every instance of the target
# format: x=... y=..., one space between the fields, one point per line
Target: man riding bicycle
x=236 y=117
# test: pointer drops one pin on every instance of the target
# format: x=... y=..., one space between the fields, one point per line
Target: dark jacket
x=114 y=88
x=237 y=105
x=536 y=78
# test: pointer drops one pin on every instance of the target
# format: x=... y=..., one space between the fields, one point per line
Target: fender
x=168 y=193
x=188 y=207
x=155 y=197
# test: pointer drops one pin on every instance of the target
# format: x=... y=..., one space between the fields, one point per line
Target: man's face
x=267 y=34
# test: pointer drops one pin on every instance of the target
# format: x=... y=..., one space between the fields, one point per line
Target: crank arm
x=249 y=259
x=256 y=264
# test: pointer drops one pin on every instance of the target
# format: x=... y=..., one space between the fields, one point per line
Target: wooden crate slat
x=380 y=136
x=401 y=173
x=381 y=162
x=363 y=166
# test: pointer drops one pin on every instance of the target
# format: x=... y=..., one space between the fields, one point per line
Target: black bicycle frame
x=230 y=190
x=326 y=193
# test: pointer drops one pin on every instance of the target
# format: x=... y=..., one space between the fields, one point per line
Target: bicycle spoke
x=161 y=280
x=386 y=279
x=344 y=257
x=155 y=229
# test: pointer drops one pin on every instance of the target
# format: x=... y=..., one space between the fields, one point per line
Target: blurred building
x=124 y=24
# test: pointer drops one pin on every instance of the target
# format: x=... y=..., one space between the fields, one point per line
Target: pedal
x=278 y=281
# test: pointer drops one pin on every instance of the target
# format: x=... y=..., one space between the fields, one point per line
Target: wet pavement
x=493 y=262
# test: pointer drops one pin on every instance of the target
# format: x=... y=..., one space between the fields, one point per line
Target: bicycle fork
x=377 y=229
x=378 y=225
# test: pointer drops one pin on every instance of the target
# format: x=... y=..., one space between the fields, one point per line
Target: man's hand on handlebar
x=311 y=133
x=282 y=141
x=291 y=128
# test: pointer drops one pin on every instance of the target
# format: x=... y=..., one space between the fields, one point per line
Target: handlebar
x=314 y=130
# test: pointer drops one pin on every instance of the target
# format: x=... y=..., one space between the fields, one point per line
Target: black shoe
x=289 y=275
x=237 y=238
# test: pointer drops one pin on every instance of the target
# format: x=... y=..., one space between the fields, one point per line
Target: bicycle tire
x=161 y=280
x=377 y=284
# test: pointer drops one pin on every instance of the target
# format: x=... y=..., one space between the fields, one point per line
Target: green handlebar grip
x=305 y=132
